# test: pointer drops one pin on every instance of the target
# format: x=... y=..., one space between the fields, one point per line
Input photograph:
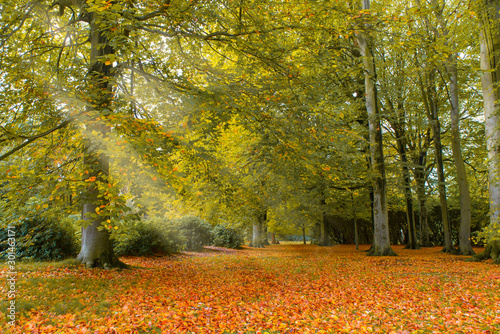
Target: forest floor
x=278 y=289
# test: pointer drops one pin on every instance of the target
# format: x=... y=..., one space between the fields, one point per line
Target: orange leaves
x=279 y=289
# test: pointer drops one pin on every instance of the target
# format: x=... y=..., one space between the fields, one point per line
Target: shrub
x=150 y=236
x=227 y=237
x=40 y=239
x=197 y=233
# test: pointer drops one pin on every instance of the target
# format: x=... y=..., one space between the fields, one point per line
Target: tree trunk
x=356 y=235
x=492 y=251
x=410 y=216
x=324 y=238
x=424 y=222
x=273 y=239
x=465 y=245
x=436 y=131
x=431 y=104
x=304 y=235
x=265 y=240
x=355 y=221
x=257 y=231
x=256 y=241
x=490 y=79
x=381 y=240
x=420 y=179
x=97 y=248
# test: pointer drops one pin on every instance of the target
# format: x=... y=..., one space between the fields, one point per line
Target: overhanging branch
x=32 y=139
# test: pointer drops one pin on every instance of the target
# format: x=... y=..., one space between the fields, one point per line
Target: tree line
x=271 y=114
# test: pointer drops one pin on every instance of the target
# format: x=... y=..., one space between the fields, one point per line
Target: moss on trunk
x=492 y=251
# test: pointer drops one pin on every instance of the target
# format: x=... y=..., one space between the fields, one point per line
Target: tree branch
x=32 y=139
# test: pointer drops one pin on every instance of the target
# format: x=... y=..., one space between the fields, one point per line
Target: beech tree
x=236 y=108
x=490 y=48
x=381 y=242
x=93 y=53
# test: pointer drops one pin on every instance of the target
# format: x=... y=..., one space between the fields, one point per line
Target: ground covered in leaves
x=279 y=289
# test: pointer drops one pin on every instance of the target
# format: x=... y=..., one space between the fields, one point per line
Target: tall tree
x=490 y=79
x=451 y=66
x=381 y=242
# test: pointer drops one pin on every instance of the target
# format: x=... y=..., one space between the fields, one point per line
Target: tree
x=93 y=55
x=451 y=66
x=490 y=79
x=381 y=242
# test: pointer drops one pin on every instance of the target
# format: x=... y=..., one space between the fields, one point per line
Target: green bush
x=154 y=235
x=227 y=237
x=197 y=233
x=40 y=239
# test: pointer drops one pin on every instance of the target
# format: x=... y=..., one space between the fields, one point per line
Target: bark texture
x=492 y=251
x=490 y=80
x=429 y=94
x=265 y=240
x=257 y=232
x=465 y=245
x=381 y=242
x=256 y=240
x=97 y=248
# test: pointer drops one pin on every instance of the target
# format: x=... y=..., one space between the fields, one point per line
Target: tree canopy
x=303 y=112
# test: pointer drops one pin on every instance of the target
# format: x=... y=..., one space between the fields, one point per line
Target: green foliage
x=196 y=232
x=154 y=235
x=39 y=238
x=487 y=235
x=227 y=237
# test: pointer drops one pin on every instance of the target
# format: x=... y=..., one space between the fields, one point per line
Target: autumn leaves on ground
x=279 y=289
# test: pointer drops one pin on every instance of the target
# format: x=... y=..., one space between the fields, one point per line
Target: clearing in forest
x=279 y=289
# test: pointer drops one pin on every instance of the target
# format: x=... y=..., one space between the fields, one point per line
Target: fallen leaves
x=279 y=289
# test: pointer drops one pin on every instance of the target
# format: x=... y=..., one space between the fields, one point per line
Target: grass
x=287 y=288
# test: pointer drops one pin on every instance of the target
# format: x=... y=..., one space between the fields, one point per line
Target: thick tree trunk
x=465 y=245
x=492 y=251
x=97 y=248
x=304 y=235
x=257 y=232
x=381 y=240
x=256 y=240
x=490 y=80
